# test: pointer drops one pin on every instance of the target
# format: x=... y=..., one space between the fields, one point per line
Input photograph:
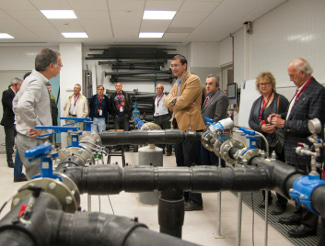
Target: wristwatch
x=174 y=100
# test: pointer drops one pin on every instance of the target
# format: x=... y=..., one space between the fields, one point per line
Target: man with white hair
x=8 y=118
x=308 y=103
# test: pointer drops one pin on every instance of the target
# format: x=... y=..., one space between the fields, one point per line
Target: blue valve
x=74 y=139
x=303 y=188
x=87 y=121
x=207 y=119
x=43 y=152
x=252 y=138
x=139 y=123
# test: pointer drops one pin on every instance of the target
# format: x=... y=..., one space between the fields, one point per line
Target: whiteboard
x=248 y=94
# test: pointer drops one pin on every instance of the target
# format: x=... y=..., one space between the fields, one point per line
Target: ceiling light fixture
x=74 y=34
x=59 y=14
x=5 y=36
x=158 y=15
x=151 y=34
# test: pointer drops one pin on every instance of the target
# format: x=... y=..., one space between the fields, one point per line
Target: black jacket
x=127 y=109
x=8 y=118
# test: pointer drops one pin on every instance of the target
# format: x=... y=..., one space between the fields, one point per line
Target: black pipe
x=138 y=72
x=111 y=138
x=171 y=211
x=50 y=226
x=36 y=230
x=112 y=179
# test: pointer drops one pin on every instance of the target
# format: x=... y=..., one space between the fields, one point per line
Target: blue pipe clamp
x=303 y=188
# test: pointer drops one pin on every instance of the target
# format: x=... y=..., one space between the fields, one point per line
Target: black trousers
x=188 y=154
x=164 y=123
x=10 y=140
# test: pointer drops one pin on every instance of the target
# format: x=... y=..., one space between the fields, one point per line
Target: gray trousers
x=25 y=143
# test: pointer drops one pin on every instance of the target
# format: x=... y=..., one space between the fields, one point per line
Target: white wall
x=294 y=29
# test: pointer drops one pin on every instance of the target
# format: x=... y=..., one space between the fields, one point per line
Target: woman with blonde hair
x=269 y=102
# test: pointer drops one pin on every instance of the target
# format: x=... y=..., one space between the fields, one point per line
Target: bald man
x=308 y=103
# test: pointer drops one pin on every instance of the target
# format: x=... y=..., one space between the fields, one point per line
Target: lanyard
x=100 y=99
x=302 y=90
x=264 y=105
x=208 y=99
x=158 y=100
x=75 y=101
x=119 y=97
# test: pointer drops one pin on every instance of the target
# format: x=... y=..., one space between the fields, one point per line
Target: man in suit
x=8 y=118
x=215 y=107
x=185 y=100
x=308 y=103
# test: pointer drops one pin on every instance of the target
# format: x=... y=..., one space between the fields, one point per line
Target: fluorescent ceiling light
x=74 y=34
x=59 y=14
x=5 y=36
x=151 y=34
x=158 y=15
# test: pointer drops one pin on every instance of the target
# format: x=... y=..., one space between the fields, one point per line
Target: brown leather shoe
x=21 y=179
x=168 y=154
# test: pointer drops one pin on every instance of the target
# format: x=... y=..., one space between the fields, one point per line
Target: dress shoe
x=278 y=210
x=20 y=179
x=11 y=164
x=191 y=206
x=262 y=203
x=301 y=231
x=168 y=154
x=289 y=221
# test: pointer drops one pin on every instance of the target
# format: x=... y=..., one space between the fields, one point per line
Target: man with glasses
x=32 y=107
x=185 y=100
x=98 y=110
x=161 y=115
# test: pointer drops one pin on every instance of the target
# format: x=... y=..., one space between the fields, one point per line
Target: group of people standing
x=285 y=125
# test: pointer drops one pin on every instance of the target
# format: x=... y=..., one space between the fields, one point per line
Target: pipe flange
x=56 y=188
x=226 y=146
x=84 y=154
x=92 y=137
x=245 y=154
x=150 y=126
x=217 y=147
x=205 y=140
x=71 y=185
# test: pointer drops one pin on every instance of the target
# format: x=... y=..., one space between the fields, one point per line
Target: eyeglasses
x=159 y=88
x=175 y=65
x=264 y=84
x=60 y=65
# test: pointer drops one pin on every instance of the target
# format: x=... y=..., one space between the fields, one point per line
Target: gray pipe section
x=111 y=138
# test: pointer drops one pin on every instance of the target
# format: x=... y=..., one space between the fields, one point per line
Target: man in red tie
x=308 y=103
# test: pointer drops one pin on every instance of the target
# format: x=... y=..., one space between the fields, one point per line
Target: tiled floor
x=199 y=226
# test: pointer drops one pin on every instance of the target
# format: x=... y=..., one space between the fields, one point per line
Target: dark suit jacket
x=217 y=106
x=8 y=118
x=309 y=105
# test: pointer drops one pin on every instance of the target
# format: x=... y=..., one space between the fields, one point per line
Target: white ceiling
x=113 y=22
